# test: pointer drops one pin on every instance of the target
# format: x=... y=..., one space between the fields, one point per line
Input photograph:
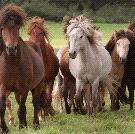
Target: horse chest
x=83 y=70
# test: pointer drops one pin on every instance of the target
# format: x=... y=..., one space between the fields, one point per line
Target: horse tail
x=43 y=101
x=57 y=93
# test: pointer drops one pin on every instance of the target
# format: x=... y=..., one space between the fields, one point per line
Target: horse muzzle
x=11 y=51
x=72 y=55
x=123 y=60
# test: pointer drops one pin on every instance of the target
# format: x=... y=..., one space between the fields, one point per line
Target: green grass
x=121 y=122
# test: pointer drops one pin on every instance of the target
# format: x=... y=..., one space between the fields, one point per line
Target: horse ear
x=1 y=45
x=66 y=20
x=129 y=22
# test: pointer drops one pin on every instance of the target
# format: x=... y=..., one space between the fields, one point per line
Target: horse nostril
x=74 y=53
x=11 y=51
x=123 y=60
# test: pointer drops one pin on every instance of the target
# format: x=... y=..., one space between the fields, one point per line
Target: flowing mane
x=40 y=23
x=12 y=15
x=131 y=26
x=82 y=22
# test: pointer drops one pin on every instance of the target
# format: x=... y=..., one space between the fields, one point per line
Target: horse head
x=37 y=30
x=12 y=18
x=120 y=41
x=81 y=33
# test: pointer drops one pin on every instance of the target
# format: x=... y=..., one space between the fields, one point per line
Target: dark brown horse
x=21 y=68
x=38 y=33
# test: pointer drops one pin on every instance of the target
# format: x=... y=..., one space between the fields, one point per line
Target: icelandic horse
x=21 y=67
x=118 y=47
x=38 y=37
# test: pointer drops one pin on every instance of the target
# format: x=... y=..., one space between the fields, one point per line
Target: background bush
x=108 y=13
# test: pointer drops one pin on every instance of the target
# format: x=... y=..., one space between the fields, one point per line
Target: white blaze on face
x=123 y=47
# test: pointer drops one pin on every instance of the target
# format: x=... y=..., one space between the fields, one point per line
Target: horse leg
x=3 y=126
x=95 y=91
x=22 y=110
x=9 y=110
x=88 y=98
x=122 y=92
x=131 y=95
x=79 y=87
x=65 y=94
x=36 y=104
x=101 y=94
x=49 y=97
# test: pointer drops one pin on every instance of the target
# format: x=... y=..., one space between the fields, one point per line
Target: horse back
x=51 y=61
x=32 y=62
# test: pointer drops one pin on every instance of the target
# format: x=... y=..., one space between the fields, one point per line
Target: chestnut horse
x=38 y=34
x=118 y=47
x=21 y=68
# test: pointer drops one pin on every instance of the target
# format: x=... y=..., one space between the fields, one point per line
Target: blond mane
x=81 y=22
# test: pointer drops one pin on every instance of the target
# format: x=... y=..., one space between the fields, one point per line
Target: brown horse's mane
x=115 y=36
x=40 y=23
x=12 y=15
x=131 y=26
x=66 y=21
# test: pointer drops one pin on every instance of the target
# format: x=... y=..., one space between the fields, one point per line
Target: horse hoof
x=100 y=109
x=21 y=126
x=4 y=131
x=83 y=112
x=103 y=104
x=36 y=126
x=113 y=109
x=11 y=122
x=52 y=112
x=68 y=111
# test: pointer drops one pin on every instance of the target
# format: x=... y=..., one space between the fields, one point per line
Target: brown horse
x=118 y=47
x=8 y=102
x=39 y=35
x=21 y=68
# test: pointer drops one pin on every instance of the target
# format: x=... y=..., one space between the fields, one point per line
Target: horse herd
x=84 y=69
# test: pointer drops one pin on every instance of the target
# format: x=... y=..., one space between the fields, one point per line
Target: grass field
x=121 y=122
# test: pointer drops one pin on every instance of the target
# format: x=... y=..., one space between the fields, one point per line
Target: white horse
x=89 y=62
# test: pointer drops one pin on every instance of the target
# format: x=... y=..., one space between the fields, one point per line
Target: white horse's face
x=122 y=49
x=77 y=41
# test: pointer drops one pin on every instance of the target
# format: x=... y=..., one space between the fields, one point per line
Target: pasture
x=120 y=122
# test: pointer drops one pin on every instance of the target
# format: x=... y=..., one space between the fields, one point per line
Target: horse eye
x=81 y=37
x=2 y=28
